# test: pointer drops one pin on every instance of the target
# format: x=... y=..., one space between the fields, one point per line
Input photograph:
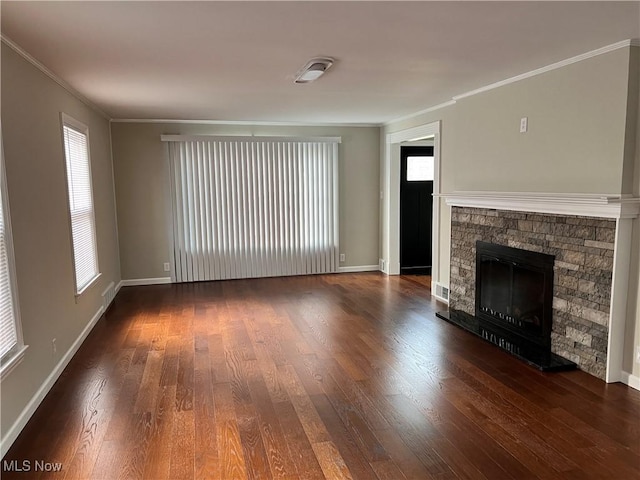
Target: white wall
x=142 y=189
x=31 y=131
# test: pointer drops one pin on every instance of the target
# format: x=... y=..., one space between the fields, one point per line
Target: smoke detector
x=313 y=69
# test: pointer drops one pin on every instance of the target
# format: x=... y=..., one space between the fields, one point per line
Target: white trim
x=619 y=293
x=115 y=201
x=93 y=281
x=420 y=112
x=15 y=360
x=413 y=134
x=391 y=196
x=19 y=348
x=243 y=138
x=587 y=205
x=134 y=282
x=247 y=123
x=71 y=123
x=440 y=299
x=359 y=268
x=20 y=51
x=548 y=68
x=119 y=286
x=630 y=380
x=37 y=398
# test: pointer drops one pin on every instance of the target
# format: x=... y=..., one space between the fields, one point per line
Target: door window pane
x=419 y=169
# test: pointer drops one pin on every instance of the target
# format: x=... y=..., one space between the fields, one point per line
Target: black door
x=416 y=209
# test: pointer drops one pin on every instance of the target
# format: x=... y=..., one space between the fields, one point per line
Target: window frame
x=13 y=357
x=70 y=122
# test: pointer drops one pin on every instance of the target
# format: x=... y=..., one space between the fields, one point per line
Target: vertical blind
x=81 y=206
x=8 y=331
x=254 y=207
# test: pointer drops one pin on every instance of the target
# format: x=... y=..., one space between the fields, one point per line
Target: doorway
x=416 y=209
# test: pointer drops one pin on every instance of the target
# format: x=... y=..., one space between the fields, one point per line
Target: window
x=419 y=169
x=254 y=206
x=83 y=229
x=11 y=346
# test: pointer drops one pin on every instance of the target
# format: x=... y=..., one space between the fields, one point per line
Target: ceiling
x=235 y=61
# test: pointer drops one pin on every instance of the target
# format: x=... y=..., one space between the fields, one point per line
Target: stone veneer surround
x=583 y=272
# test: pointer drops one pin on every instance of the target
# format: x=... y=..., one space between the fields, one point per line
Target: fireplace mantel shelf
x=586 y=205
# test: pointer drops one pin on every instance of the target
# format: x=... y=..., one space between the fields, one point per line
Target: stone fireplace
x=589 y=248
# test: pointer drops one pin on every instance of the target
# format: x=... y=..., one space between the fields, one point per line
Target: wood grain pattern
x=331 y=376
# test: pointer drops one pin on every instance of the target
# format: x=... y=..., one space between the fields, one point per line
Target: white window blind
x=254 y=208
x=83 y=232
x=11 y=346
x=8 y=330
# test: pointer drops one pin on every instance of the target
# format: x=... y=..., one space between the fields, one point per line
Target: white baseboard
x=134 y=282
x=359 y=268
x=35 y=401
x=440 y=299
x=631 y=380
x=119 y=286
x=382 y=265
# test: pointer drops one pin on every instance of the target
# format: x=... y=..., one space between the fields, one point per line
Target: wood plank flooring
x=335 y=376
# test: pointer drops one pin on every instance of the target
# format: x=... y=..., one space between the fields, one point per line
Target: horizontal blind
x=81 y=206
x=8 y=332
x=254 y=209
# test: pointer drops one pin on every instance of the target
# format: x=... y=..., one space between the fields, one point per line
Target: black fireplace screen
x=514 y=289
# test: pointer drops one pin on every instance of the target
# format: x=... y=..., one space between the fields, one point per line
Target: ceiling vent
x=313 y=69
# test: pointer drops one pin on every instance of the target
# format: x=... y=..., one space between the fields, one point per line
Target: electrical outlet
x=638 y=354
x=167 y=267
x=524 y=124
x=343 y=257
x=54 y=347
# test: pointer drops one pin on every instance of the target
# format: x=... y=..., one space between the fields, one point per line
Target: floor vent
x=108 y=295
x=442 y=292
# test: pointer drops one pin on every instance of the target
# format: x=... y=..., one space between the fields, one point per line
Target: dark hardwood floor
x=333 y=376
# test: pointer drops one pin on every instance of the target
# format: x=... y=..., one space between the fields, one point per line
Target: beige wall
x=582 y=138
x=142 y=189
x=575 y=141
x=31 y=131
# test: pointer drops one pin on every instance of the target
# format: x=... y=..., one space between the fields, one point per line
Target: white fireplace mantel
x=586 y=205
x=622 y=208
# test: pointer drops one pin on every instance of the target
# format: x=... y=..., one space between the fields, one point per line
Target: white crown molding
x=20 y=51
x=578 y=58
x=548 y=68
x=245 y=123
x=586 y=205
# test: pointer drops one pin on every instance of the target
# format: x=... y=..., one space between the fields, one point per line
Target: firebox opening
x=514 y=290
